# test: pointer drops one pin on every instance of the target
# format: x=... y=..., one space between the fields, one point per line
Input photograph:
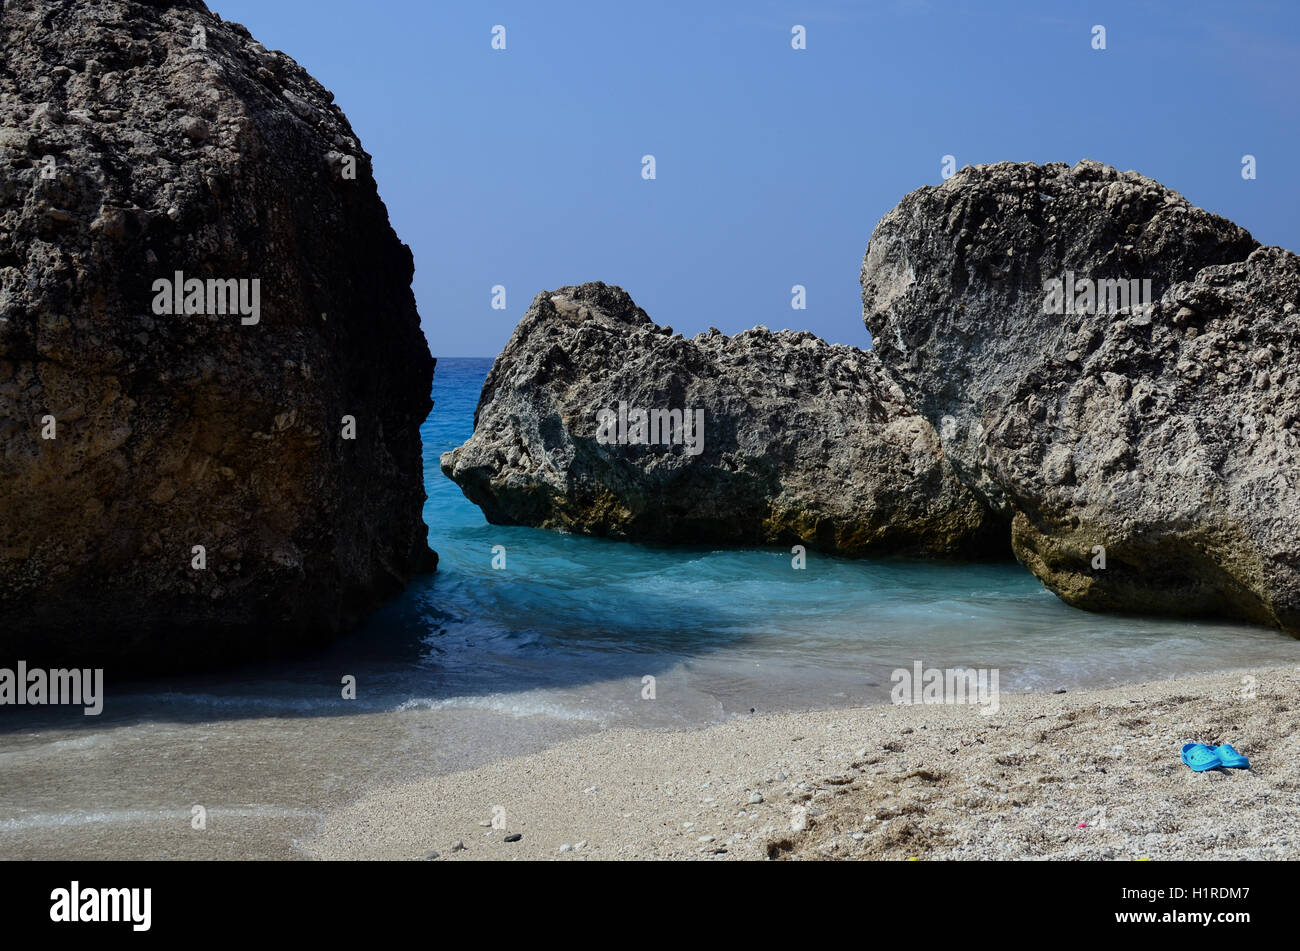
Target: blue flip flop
x=1231 y=758
x=1201 y=757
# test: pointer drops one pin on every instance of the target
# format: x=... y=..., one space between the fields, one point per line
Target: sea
x=525 y=638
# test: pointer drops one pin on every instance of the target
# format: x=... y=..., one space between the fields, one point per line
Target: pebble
x=194 y=128
x=707 y=838
x=430 y=856
x=458 y=846
x=755 y=798
x=581 y=845
x=591 y=789
x=514 y=838
x=566 y=847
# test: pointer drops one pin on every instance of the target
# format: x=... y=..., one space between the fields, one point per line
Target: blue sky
x=522 y=167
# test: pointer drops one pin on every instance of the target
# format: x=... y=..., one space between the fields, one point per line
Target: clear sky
x=522 y=167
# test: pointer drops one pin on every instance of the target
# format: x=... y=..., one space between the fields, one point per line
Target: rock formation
x=1147 y=452
x=798 y=442
x=178 y=485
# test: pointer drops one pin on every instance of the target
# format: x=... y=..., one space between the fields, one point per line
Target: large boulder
x=785 y=439
x=1146 y=450
x=178 y=489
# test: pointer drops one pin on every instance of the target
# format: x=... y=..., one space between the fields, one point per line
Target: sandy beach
x=1084 y=775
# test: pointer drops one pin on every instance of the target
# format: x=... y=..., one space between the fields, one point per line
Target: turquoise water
x=572 y=624
x=474 y=664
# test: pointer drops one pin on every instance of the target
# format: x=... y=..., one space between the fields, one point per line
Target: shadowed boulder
x=143 y=140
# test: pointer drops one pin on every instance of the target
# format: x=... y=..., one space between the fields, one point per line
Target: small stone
x=566 y=847
x=707 y=838
x=755 y=798
x=430 y=856
x=299 y=105
x=15 y=139
x=580 y=845
x=194 y=128
x=458 y=846
x=514 y=838
x=48 y=114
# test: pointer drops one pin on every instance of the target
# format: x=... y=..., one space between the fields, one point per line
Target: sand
x=1083 y=775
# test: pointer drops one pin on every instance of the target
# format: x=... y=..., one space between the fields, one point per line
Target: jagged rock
x=803 y=442
x=138 y=140
x=1163 y=434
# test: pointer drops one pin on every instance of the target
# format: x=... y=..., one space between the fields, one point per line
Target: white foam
x=60 y=820
x=507 y=704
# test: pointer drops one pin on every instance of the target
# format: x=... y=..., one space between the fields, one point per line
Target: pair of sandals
x=1200 y=757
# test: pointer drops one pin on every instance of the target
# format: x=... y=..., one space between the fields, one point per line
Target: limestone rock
x=138 y=140
x=802 y=442
x=1159 y=435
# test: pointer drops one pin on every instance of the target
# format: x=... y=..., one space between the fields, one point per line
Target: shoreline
x=877 y=782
